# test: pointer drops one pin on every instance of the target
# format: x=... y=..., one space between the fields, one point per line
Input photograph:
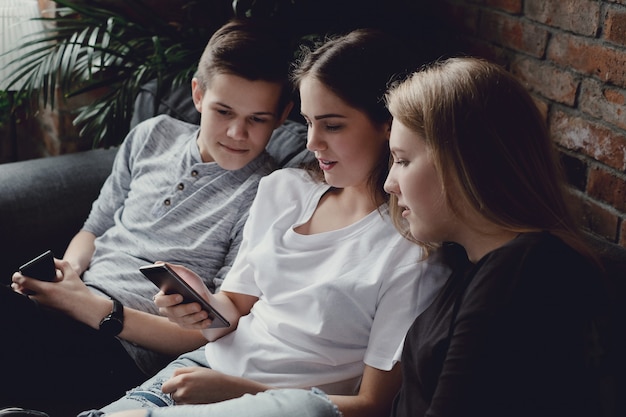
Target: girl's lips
x=326 y=165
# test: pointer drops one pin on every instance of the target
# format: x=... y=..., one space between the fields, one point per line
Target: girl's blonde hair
x=489 y=141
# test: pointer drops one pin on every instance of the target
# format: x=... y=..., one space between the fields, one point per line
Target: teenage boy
x=178 y=193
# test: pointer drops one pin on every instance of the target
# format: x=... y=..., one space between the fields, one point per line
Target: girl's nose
x=391 y=185
x=313 y=141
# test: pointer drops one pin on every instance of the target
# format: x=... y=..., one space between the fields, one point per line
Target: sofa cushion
x=43 y=203
x=288 y=145
x=177 y=103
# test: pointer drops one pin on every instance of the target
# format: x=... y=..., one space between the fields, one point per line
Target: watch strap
x=113 y=323
x=118 y=309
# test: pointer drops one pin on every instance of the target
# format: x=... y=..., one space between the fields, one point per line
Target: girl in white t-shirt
x=324 y=288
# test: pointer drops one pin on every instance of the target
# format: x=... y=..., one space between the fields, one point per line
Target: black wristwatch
x=113 y=324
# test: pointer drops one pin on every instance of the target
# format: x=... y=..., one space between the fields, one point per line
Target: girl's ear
x=197 y=93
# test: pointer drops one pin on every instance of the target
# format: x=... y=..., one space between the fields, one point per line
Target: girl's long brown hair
x=358 y=67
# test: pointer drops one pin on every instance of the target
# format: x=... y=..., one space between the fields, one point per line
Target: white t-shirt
x=328 y=302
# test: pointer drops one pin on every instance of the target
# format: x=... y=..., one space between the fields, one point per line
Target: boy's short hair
x=250 y=49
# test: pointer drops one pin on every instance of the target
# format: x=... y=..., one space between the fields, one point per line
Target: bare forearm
x=378 y=388
x=72 y=297
x=144 y=329
x=80 y=250
x=158 y=333
x=235 y=387
x=355 y=406
x=232 y=306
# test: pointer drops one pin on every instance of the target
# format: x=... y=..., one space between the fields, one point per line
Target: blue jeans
x=273 y=403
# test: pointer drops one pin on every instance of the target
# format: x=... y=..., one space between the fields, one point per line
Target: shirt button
x=181 y=186
x=194 y=173
x=167 y=202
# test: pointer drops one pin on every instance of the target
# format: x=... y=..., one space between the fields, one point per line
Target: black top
x=509 y=336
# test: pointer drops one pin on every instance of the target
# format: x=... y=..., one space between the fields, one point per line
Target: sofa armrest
x=44 y=202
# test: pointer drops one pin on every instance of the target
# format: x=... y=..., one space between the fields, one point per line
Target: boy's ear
x=387 y=128
x=284 y=114
x=197 y=93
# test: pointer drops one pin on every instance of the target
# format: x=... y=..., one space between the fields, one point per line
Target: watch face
x=111 y=326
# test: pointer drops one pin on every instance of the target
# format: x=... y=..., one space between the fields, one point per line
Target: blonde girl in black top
x=474 y=172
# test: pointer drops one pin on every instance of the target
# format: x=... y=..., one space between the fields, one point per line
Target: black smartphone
x=41 y=268
x=171 y=283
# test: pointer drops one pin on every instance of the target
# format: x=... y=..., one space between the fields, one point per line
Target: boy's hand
x=27 y=285
x=68 y=294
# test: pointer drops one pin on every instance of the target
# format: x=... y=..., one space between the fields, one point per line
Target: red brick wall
x=571 y=54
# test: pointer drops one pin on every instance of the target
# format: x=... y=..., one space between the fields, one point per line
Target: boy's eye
x=223 y=112
x=258 y=119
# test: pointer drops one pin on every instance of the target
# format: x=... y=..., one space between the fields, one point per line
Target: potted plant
x=111 y=49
